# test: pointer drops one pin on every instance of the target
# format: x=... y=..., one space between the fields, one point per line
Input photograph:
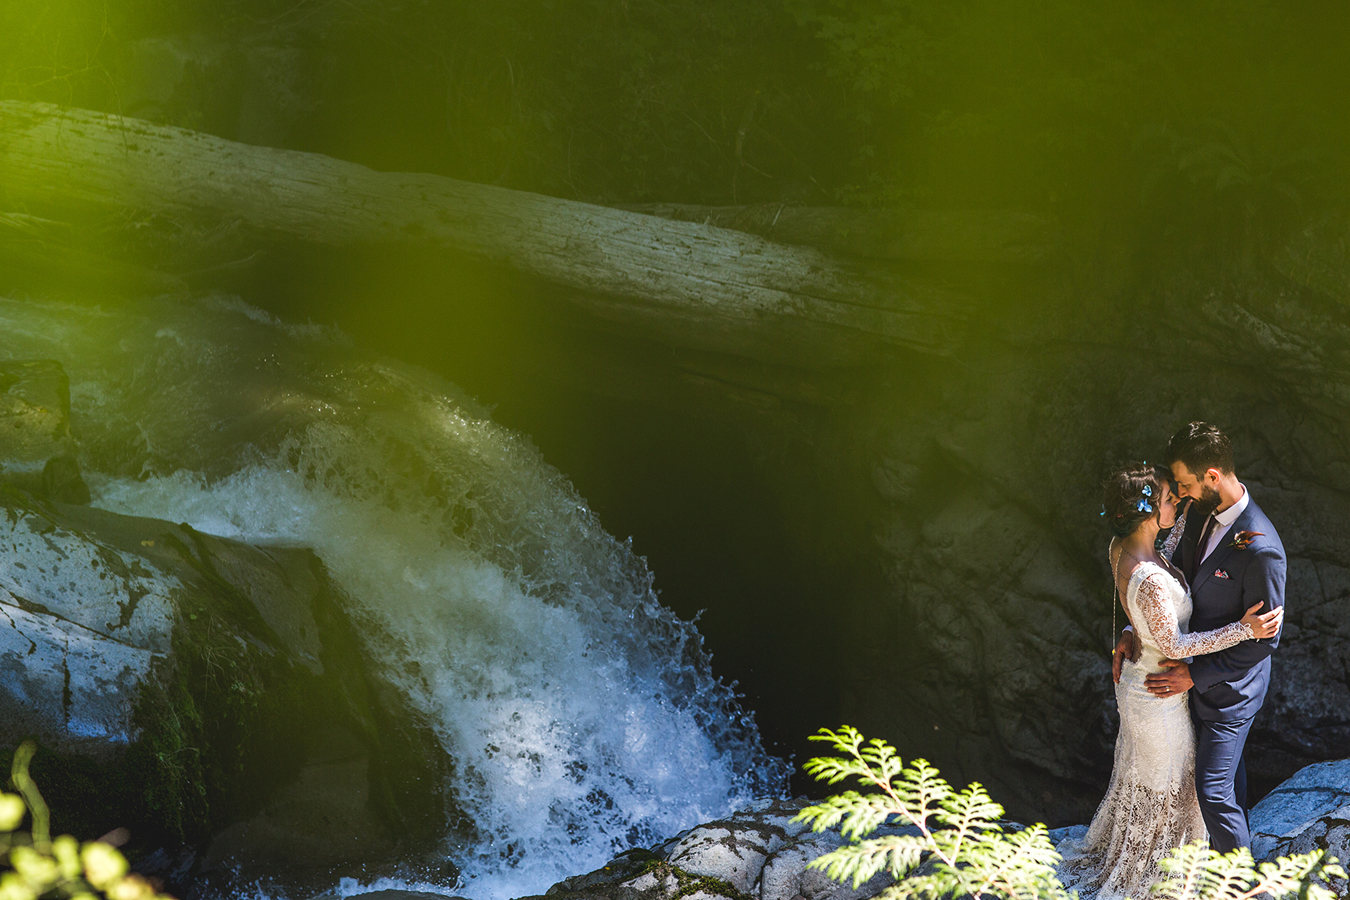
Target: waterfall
x=582 y=715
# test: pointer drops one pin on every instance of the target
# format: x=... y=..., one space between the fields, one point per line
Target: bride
x=1150 y=806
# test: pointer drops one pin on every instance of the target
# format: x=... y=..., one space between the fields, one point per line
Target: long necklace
x=1115 y=585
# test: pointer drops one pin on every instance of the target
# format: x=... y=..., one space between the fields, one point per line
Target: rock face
x=208 y=694
x=37 y=450
x=760 y=854
x=963 y=498
x=1307 y=812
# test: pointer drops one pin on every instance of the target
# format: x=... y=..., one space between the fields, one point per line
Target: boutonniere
x=1243 y=539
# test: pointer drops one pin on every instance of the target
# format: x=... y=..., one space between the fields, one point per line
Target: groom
x=1232 y=559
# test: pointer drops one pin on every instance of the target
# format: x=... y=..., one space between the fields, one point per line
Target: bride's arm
x=1169 y=547
x=1156 y=606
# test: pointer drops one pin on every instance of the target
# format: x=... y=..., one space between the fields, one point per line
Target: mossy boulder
x=210 y=695
x=37 y=452
x=759 y=853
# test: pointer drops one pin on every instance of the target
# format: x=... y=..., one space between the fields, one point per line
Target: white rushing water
x=582 y=715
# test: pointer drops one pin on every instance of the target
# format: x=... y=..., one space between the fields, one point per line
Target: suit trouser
x=1221 y=781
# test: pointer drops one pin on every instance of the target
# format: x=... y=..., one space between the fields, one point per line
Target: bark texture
x=949 y=235
x=690 y=284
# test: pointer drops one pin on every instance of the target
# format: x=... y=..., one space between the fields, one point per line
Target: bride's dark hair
x=1130 y=495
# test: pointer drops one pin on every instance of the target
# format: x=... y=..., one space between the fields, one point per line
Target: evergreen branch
x=861 y=814
x=1186 y=866
x=969 y=855
x=970 y=812
x=1197 y=872
x=1021 y=865
x=897 y=854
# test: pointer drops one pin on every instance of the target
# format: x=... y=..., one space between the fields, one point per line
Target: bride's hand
x=1264 y=625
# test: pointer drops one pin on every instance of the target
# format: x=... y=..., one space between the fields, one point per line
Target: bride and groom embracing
x=1205 y=608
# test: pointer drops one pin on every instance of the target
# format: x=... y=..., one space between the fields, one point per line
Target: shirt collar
x=1230 y=515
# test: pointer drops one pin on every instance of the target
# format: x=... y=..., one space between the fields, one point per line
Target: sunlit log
x=683 y=283
x=957 y=235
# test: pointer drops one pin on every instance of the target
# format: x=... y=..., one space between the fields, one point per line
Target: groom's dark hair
x=1201 y=446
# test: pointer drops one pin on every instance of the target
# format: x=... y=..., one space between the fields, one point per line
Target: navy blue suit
x=1230 y=685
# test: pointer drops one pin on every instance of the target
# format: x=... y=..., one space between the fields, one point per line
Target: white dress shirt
x=1223 y=522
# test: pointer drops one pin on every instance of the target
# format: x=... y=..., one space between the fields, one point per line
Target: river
x=584 y=717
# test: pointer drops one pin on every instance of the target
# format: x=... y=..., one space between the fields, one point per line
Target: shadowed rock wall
x=966 y=491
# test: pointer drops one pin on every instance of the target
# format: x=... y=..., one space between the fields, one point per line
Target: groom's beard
x=1208 y=502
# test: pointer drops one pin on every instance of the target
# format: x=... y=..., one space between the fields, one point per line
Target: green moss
x=230 y=714
x=689 y=883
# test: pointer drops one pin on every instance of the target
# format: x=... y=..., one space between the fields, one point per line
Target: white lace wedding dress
x=1150 y=806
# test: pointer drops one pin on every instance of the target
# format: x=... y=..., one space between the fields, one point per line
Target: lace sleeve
x=1169 y=547
x=1156 y=606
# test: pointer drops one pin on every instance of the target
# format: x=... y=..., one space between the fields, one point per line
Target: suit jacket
x=1230 y=685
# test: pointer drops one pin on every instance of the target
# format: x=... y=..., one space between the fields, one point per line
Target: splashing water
x=582 y=715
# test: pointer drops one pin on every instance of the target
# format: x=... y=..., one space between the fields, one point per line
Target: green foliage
x=958 y=833
x=955 y=846
x=40 y=866
x=1197 y=872
x=688 y=884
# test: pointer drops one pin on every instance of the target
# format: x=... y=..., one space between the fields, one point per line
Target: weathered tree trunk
x=959 y=235
x=684 y=283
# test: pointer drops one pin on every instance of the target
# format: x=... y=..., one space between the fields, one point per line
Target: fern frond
x=937 y=886
x=970 y=855
x=857 y=814
x=828 y=812
x=1195 y=872
x=897 y=854
x=1020 y=865
x=1287 y=875
x=966 y=813
x=882 y=759
x=1185 y=868
x=834 y=769
x=920 y=788
x=1227 y=876
x=845 y=740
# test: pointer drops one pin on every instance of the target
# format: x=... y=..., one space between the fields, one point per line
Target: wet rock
x=724 y=851
x=392 y=894
x=980 y=630
x=37 y=453
x=1312 y=806
x=757 y=854
x=205 y=693
x=1329 y=832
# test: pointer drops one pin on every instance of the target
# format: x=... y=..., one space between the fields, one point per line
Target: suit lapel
x=1216 y=559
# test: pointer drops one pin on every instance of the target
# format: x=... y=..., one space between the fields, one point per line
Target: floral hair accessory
x=1243 y=539
x=1148 y=490
x=1103 y=512
x=1144 y=506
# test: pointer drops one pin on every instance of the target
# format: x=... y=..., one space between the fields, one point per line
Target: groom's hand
x=1175 y=678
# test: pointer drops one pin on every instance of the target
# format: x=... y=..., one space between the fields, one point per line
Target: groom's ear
x=1212 y=474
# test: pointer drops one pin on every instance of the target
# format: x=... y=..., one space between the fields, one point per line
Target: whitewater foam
x=583 y=717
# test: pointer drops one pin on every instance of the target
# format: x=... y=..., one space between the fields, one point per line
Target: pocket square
x=1220 y=573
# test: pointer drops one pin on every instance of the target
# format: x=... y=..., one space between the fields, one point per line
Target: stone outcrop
x=962 y=498
x=1308 y=812
x=37 y=452
x=756 y=854
x=208 y=694
x=762 y=854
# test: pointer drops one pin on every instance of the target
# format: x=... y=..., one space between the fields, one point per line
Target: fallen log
x=683 y=283
x=956 y=235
